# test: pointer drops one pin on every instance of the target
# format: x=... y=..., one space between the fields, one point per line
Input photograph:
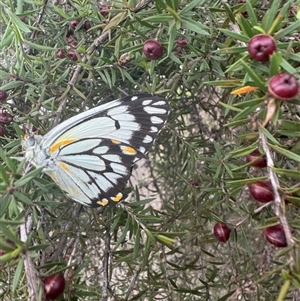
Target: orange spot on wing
x=74 y=190
x=117 y=198
x=61 y=143
x=64 y=166
x=102 y=202
x=128 y=150
x=243 y=90
x=114 y=141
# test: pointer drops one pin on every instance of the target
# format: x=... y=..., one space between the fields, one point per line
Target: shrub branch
x=278 y=208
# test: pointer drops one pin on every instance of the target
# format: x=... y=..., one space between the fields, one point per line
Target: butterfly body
x=90 y=155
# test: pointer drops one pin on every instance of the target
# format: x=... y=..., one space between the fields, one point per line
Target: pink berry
x=5 y=117
x=261 y=46
x=74 y=23
x=60 y=54
x=257 y=159
x=244 y=13
x=3 y=96
x=262 y=191
x=103 y=10
x=276 y=236
x=87 y=25
x=181 y=42
x=153 y=50
x=283 y=86
x=72 y=55
x=54 y=286
x=222 y=232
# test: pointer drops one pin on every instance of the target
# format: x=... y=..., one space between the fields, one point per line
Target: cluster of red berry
x=72 y=54
x=261 y=192
x=283 y=87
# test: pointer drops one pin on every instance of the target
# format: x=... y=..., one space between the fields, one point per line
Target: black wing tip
x=142 y=96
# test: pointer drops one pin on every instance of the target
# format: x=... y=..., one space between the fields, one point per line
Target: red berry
x=153 y=50
x=72 y=42
x=2 y=131
x=87 y=25
x=261 y=46
x=103 y=9
x=195 y=183
x=5 y=118
x=257 y=159
x=60 y=53
x=54 y=286
x=70 y=32
x=283 y=86
x=244 y=13
x=72 y=55
x=276 y=236
x=262 y=191
x=222 y=232
x=181 y=42
x=3 y=96
x=74 y=23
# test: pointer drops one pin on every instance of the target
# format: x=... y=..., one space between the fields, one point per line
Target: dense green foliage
x=158 y=244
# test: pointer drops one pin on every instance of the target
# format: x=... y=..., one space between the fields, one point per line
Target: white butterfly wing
x=123 y=119
x=94 y=151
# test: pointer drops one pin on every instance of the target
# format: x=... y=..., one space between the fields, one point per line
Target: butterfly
x=90 y=155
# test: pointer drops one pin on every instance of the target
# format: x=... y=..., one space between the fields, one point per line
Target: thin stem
x=278 y=202
x=31 y=272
